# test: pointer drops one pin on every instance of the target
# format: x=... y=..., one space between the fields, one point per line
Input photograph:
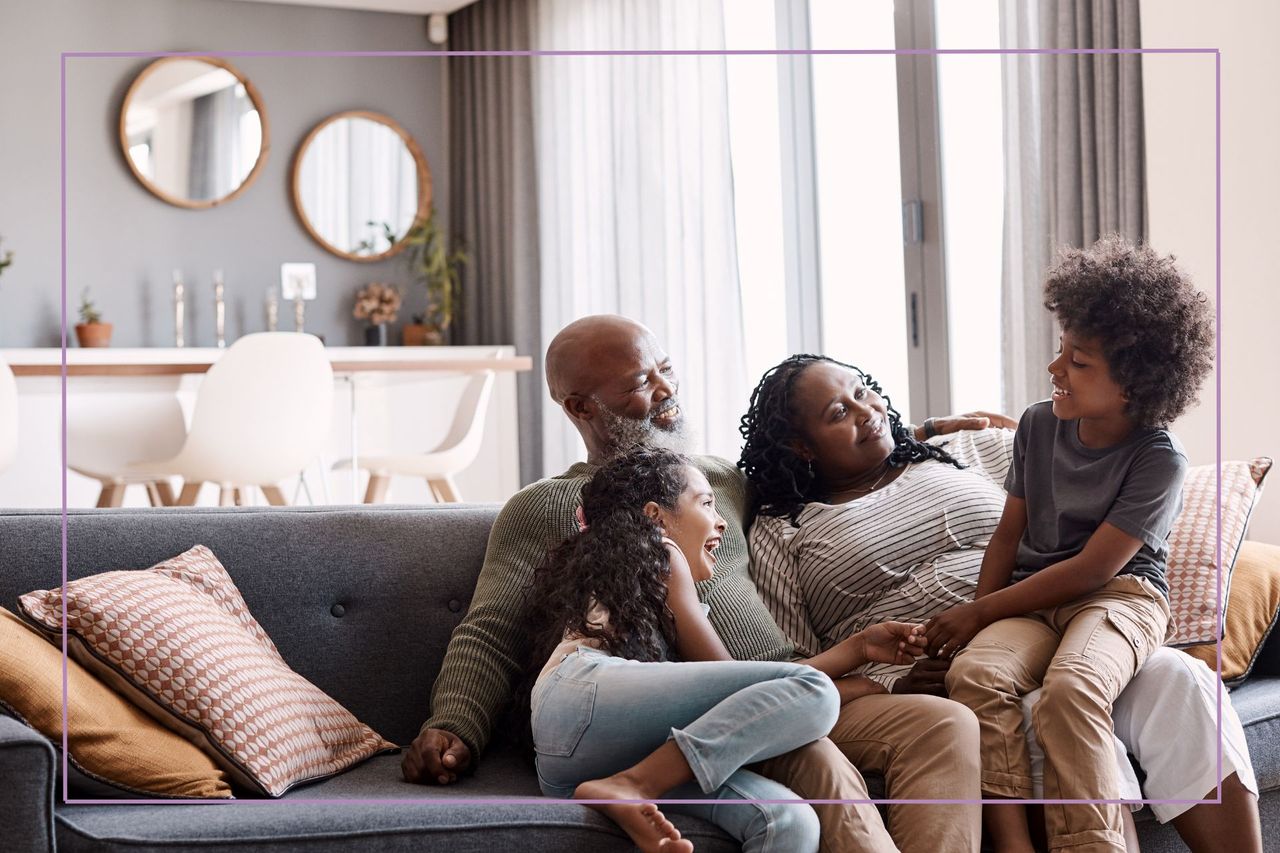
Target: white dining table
x=386 y=398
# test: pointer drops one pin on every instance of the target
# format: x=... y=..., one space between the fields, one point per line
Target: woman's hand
x=892 y=642
x=951 y=630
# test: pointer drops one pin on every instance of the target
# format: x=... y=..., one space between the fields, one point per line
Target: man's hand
x=952 y=629
x=969 y=420
x=927 y=676
x=435 y=756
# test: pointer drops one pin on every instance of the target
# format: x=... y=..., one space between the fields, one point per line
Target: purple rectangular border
x=1217 y=54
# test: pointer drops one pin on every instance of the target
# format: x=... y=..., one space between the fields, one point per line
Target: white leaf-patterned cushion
x=1193 y=543
x=179 y=640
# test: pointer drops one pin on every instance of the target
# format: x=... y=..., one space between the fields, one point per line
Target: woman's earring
x=809 y=462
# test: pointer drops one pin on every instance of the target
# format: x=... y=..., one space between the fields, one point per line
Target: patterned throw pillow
x=179 y=640
x=1193 y=542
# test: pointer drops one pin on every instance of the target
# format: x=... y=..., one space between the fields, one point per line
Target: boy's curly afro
x=1155 y=328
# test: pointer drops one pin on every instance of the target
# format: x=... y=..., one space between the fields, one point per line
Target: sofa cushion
x=404 y=818
x=178 y=639
x=1257 y=701
x=111 y=739
x=1197 y=596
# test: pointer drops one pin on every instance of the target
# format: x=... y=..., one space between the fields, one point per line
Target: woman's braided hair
x=781 y=480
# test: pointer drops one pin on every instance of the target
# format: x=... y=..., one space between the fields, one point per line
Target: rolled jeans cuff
x=1089 y=841
x=1007 y=785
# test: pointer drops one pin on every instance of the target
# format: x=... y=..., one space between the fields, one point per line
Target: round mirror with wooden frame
x=361 y=185
x=194 y=131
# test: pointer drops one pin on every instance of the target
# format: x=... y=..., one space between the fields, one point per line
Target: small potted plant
x=377 y=303
x=439 y=270
x=91 y=331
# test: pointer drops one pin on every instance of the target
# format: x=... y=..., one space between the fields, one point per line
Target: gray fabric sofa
x=361 y=602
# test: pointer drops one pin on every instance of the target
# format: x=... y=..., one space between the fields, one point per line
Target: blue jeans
x=597 y=715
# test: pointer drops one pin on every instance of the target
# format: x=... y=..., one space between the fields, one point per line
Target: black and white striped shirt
x=906 y=551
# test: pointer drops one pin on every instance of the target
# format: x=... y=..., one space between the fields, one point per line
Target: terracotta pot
x=420 y=334
x=93 y=334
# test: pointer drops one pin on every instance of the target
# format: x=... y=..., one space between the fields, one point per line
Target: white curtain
x=635 y=198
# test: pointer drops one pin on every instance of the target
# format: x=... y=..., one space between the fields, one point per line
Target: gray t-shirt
x=1071 y=490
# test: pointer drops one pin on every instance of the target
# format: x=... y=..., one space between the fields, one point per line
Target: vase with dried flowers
x=91 y=331
x=439 y=270
x=379 y=304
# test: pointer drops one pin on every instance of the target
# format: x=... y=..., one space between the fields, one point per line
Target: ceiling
x=408 y=7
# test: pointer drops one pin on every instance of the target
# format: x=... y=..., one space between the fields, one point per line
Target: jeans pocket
x=562 y=716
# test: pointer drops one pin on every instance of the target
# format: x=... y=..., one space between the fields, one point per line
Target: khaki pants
x=1083 y=653
x=926 y=748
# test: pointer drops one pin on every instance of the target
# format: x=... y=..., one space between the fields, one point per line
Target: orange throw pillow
x=111 y=739
x=1253 y=610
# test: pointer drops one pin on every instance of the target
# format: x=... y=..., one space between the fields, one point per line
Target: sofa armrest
x=28 y=770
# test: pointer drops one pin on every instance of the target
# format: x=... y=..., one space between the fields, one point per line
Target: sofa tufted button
x=338 y=610
x=455 y=605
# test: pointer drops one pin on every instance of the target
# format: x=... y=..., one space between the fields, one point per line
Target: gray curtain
x=1074 y=160
x=215 y=134
x=494 y=200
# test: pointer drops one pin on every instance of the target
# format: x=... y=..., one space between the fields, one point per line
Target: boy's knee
x=1072 y=686
x=969 y=671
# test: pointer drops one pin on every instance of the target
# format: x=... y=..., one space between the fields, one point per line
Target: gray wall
x=122 y=241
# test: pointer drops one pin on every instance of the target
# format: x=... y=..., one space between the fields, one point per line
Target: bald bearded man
x=619 y=389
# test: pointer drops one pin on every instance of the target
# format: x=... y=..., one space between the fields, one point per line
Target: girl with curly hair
x=614 y=718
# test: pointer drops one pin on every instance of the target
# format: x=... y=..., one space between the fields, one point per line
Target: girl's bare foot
x=647 y=826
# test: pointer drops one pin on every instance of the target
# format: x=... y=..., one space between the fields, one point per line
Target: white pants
x=1168 y=718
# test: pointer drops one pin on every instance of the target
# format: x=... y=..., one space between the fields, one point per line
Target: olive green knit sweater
x=486 y=652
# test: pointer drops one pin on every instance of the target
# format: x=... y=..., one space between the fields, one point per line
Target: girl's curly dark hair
x=782 y=481
x=1154 y=326
x=618 y=562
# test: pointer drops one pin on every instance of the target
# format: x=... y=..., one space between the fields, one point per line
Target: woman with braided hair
x=855 y=517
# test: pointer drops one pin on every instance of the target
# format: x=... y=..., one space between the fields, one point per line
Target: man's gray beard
x=628 y=433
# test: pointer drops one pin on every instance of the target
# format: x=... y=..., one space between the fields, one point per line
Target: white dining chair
x=8 y=416
x=108 y=433
x=458 y=450
x=262 y=414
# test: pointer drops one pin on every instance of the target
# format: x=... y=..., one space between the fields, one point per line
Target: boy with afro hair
x=1072 y=593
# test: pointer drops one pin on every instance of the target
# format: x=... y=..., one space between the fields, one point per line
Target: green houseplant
x=439 y=270
x=91 y=331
